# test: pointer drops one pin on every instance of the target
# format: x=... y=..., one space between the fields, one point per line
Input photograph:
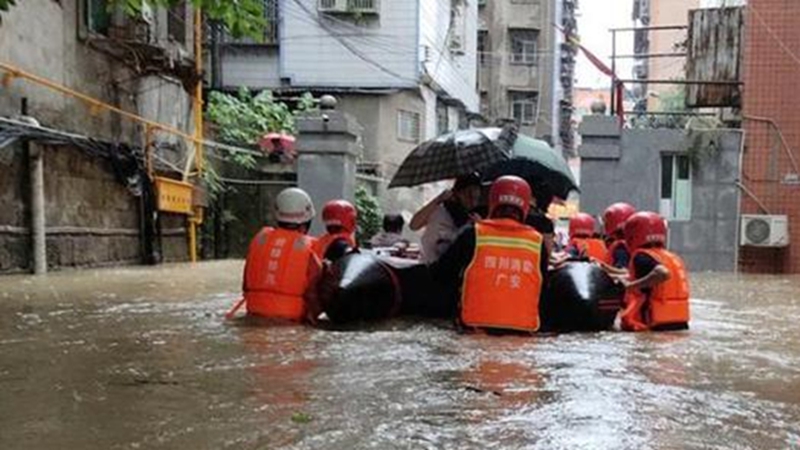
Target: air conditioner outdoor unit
x=764 y=231
x=348 y=6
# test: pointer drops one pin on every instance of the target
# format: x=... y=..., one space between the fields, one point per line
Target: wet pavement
x=141 y=358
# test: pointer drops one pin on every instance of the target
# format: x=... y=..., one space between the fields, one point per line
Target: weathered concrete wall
x=626 y=166
x=91 y=219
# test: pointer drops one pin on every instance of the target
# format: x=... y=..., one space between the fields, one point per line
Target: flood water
x=141 y=358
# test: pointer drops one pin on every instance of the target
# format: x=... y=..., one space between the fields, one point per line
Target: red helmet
x=510 y=191
x=340 y=213
x=645 y=228
x=581 y=225
x=615 y=216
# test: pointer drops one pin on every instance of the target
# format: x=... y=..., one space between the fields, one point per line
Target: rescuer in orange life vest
x=498 y=263
x=339 y=217
x=581 y=238
x=658 y=296
x=281 y=264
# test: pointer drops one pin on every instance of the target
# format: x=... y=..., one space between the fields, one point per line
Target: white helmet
x=293 y=205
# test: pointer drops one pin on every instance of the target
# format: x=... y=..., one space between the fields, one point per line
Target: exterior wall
x=91 y=219
x=667 y=12
x=498 y=75
x=627 y=167
x=393 y=150
x=452 y=73
x=770 y=76
x=252 y=66
x=318 y=50
x=60 y=55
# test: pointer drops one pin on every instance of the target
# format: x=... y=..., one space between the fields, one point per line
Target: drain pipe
x=36 y=170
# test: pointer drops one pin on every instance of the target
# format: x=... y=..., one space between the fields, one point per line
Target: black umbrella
x=540 y=165
x=454 y=155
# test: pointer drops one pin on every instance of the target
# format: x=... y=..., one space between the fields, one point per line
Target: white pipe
x=38 y=236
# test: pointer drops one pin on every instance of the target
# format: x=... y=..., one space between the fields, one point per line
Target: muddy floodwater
x=141 y=358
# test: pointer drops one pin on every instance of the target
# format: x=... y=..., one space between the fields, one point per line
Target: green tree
x=242 y=119
x=369 y=215
x=240 y=17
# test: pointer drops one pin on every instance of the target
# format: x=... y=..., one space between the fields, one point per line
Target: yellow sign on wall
x=174 y=196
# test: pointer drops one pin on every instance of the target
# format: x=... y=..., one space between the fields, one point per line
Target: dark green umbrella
x=539 y=164
x=454 y=155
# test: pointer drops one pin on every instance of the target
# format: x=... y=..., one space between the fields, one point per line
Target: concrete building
x=772 y=124
x=690 y=177
x=143 y=65
x=520 y=62
x=405 y=69
x=659 y=13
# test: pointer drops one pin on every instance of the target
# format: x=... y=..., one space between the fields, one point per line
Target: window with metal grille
x=408 y=126
x=270 y=30
x=483 y=46
x=523 y=45
x=523 y=106
x=676 y=187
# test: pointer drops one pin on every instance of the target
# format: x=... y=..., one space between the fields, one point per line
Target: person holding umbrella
x=459 y=155
x=444 y=216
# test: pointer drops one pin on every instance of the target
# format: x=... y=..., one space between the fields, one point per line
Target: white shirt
x=439 y=234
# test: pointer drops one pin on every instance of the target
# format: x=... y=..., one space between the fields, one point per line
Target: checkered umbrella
x=455 y=155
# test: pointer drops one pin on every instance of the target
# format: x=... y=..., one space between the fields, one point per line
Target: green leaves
x=243 y=119
x=369 y=215
x=5 y=5
x=242 y=18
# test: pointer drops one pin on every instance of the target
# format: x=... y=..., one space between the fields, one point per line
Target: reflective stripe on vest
x=669 y=301
x=503 y=281
x=591 y=247
x=323 y=242
x=276 y=273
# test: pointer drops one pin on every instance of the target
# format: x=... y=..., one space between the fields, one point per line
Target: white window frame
x=530 y=48
x=408 y=131
x=532 y=100
x=675 y=205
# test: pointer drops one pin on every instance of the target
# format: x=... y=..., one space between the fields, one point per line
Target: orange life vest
x=668 y=301
x=591 y=247
x=609 y=258
x=323 y=242
x=276 y=274
x=503 y=281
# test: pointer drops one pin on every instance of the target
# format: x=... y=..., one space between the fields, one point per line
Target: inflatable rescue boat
x=363 y=286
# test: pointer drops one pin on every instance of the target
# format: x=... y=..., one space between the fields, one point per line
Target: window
x=523 y=46
x=407 y=126
x=676 y=187
x=523 y=106
x=96 y=16
x=270 y=27
x=176 y=22
x=483 y=46
x=442 y=121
